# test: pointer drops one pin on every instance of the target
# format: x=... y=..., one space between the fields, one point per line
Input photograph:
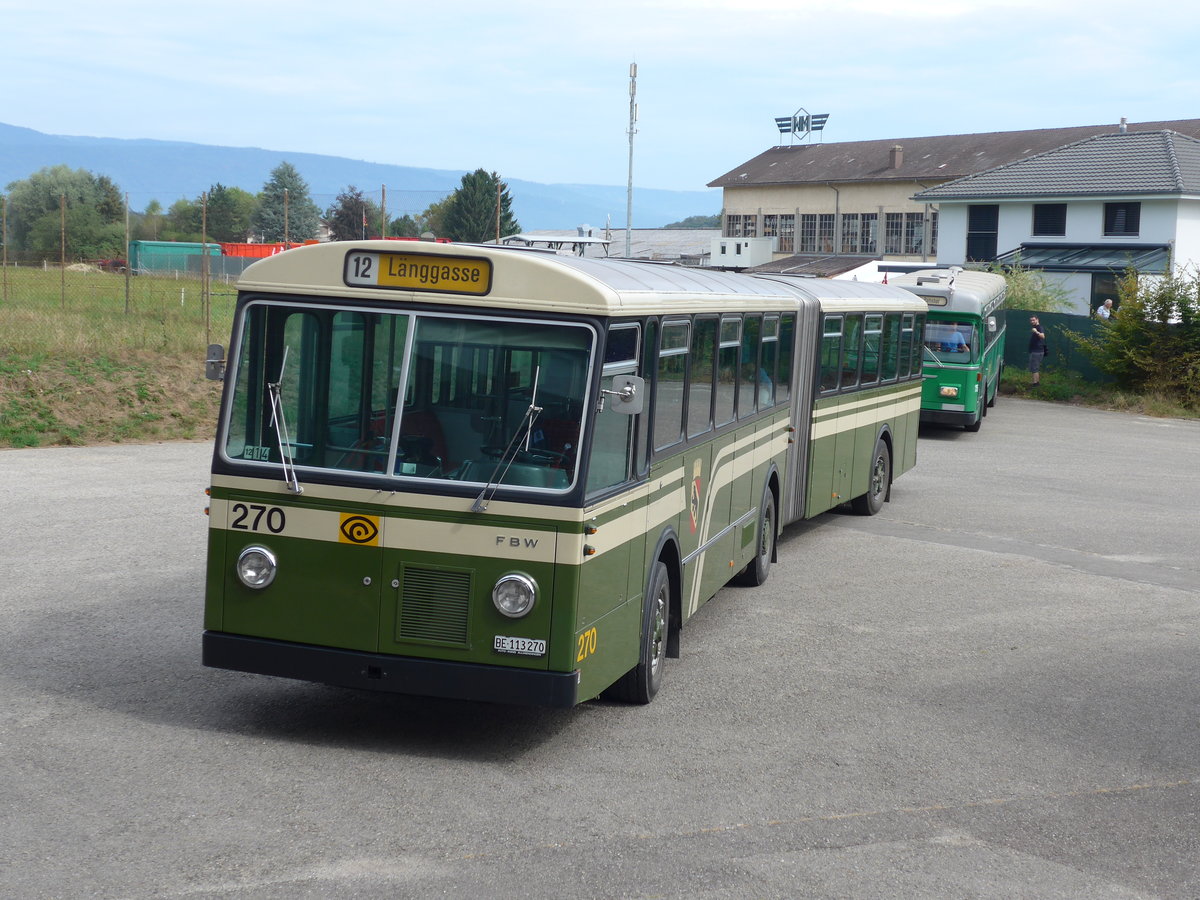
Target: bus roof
x=547 y=282
x=955 y=290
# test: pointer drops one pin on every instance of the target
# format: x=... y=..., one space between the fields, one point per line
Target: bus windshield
x=951 y=341
x=416 y=396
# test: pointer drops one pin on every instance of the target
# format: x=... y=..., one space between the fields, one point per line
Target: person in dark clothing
x=1037 y=349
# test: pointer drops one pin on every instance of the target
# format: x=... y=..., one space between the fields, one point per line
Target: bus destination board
x=419 y=272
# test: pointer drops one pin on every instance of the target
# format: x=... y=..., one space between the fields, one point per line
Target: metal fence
x=80 y=308
x=1062 y=353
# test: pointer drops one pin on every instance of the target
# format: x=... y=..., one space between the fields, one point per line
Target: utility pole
x=632 y=132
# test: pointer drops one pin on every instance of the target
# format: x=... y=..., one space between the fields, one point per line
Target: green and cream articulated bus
x=506 y=475
x=964 y=343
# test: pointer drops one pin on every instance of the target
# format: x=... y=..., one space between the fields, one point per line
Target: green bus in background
x=964 y=343
x=506 y=475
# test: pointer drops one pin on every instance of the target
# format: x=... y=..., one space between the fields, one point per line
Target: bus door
x=611 y=575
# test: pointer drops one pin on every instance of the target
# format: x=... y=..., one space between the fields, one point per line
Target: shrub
x=1152 y=344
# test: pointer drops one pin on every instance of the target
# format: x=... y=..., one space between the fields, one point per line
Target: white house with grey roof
x=1082 y=213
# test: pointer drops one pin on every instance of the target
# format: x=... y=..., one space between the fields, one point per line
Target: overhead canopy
x=1152 y=259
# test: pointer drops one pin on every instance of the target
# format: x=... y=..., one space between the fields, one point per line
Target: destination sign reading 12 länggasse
x=419 y=272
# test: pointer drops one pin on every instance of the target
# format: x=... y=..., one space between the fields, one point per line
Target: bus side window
x=831 y=353
x=851 y=350
x=906 y=347
x=768 y=377
x=891 y=346
x=751 y=372
x=787 y=346
x=669 y=384
x=919 y=328
x=871 y=341
x=700 y=381
x=727 y=364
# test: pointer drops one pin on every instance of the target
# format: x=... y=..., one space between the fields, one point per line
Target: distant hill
x=168 y=170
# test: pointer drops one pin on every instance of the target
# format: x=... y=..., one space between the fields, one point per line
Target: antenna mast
x=632 y=132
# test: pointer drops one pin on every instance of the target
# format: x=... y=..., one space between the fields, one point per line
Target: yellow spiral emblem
x=356 y=529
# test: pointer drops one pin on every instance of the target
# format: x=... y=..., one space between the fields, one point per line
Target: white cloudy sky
x=540 y=91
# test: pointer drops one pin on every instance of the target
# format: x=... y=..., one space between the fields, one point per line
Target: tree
x=94 y=213
x=1029 y=290
x=471 y=211
x=352 y=216
x=230 y=212
x=713 y=221
x=182 y=222
x=285 y=209
x=405 y=226
x=149 y=223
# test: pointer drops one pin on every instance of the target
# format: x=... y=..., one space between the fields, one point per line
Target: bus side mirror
x=626 y=394
x=992 y=324
x=214 y=363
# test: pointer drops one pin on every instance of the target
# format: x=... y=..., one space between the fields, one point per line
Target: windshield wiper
x=279 y=421
x=522 y=434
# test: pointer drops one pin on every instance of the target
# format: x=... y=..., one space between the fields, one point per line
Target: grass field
x=87 y=357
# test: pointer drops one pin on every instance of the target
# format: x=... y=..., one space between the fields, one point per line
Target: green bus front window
x=955 y=342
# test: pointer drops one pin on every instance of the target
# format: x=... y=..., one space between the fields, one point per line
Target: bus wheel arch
x=658 y=629
x=668 y=554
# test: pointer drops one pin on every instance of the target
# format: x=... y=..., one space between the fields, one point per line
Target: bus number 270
x=587 y=645
x=255 y=517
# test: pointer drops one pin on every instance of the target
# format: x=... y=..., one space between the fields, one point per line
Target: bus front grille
x=433 y=606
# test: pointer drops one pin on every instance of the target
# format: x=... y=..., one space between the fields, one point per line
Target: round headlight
x=514 y=595
x=256 y=567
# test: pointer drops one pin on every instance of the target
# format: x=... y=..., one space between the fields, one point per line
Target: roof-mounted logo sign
x=801 y=122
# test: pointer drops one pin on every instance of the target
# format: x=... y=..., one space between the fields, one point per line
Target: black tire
x=641 y=683
x=977 y=424
x=881 y=479
x=759 y=569
x=995 y=394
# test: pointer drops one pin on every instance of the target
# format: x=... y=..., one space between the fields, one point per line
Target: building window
x=808 y=233
x=933 y=233
x=1122 y=219
x=893 y=233
x=983 y=223
x=770 y=226
x=825 y=237
x=733 y=226
x=849 y=233
x=787 y=234
x=1049 y=219
x=749 y=226
x=914 y=233
x=868 y=238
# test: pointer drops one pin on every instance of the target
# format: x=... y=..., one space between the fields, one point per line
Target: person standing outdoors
x=1037 y=349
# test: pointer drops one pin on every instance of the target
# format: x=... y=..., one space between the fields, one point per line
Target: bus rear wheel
x=759 y=568
x=881 y=478
x=641 y=683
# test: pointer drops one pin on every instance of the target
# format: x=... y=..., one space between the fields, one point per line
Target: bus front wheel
x=641 y=683
x=881 y=478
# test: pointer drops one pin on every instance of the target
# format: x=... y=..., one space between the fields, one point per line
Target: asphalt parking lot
x=991 y=689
